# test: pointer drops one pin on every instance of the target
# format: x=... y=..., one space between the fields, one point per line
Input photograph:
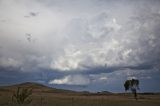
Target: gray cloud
x=93 y=39
x=33 y=14
x=28 y=36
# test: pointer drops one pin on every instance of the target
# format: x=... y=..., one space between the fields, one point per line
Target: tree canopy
x=131 y=84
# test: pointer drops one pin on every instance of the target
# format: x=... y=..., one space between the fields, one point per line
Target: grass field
x=47 y=97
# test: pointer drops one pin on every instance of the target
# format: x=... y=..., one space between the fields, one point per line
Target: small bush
x=21 y=96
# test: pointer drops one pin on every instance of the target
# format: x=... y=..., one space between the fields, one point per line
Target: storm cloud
x=80 y=43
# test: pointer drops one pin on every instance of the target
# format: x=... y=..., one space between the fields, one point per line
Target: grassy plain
x=44 y=96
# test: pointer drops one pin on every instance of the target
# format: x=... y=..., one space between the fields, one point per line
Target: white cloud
x=101 y=40
x=103 y=78
x=132 y=78
x=72 y=80
x=93 y=52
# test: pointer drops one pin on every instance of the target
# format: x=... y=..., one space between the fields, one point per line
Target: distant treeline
x=150 y=93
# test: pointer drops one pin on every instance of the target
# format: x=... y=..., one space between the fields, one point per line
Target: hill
x=36 y=87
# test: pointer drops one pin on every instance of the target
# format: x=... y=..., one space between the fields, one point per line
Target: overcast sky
x=82 y=45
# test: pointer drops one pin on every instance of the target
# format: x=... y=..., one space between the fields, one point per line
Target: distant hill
x=36 y=87
x=39 y=88
x=104 y=92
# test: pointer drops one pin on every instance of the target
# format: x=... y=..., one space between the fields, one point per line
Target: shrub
x=21 y=96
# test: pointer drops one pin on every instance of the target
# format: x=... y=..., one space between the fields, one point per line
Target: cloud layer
x=84 y=43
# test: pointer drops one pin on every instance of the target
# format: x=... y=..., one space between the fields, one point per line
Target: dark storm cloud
x=99 y=70
x=12 y=75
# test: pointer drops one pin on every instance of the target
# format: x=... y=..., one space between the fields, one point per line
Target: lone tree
x=132 y=85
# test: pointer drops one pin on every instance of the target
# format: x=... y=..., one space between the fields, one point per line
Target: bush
x=21 y=96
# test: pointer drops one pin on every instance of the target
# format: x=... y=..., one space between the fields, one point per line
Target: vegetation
x=132 y=85
x=21 y=96
x=44 y=96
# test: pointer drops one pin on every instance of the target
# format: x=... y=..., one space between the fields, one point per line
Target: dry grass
x=51 y=98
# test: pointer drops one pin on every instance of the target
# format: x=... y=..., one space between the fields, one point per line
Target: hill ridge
x=36 y=87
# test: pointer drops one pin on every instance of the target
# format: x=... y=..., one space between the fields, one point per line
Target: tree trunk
x=135 y=94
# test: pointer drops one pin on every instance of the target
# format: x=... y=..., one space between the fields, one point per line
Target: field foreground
x=44 y=96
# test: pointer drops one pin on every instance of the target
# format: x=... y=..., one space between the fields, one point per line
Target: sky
x=82 y=45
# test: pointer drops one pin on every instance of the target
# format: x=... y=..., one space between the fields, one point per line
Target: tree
x=132 y=85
